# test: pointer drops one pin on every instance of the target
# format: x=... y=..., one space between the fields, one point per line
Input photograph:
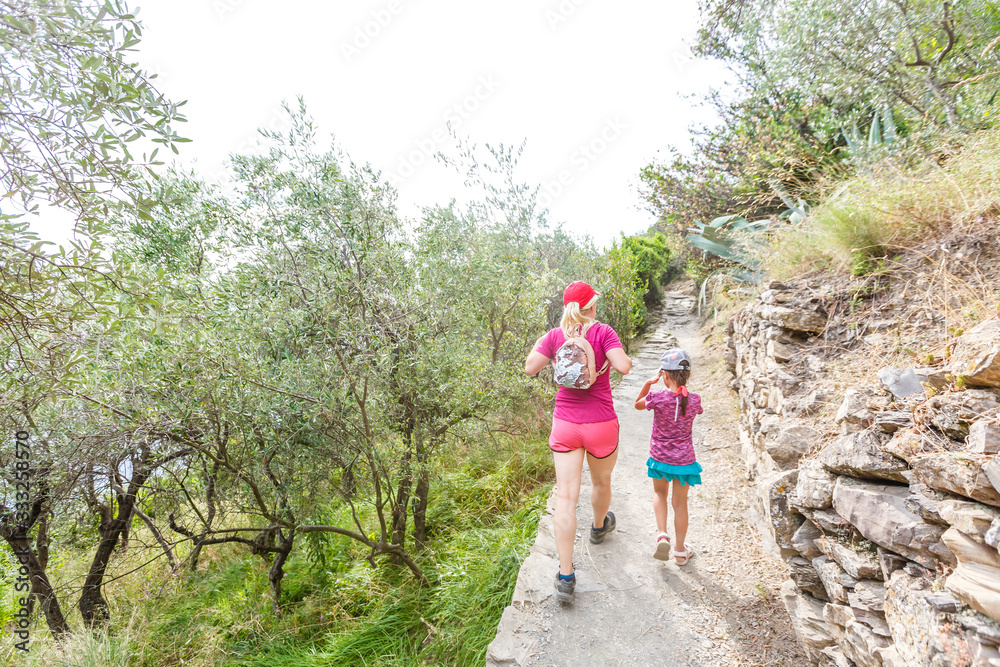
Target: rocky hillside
x=878 y=483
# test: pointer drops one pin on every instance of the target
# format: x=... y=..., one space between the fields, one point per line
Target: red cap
x=580 y=292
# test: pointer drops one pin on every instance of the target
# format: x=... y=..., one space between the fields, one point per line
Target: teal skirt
x=688 y=475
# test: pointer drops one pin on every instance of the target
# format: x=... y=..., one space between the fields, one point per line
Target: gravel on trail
x=721 y=608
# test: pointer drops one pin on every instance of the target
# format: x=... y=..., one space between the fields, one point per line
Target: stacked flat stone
x=888 y=514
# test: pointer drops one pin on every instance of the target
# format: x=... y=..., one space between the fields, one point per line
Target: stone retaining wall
x=882 y=500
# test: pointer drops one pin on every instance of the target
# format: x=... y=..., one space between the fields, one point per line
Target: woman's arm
x=640 y=400
x=536 y=360
x=619 y=360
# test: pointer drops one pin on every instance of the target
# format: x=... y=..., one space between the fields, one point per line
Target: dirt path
x=722 y=608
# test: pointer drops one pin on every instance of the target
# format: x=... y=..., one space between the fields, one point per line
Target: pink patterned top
x=671 y=442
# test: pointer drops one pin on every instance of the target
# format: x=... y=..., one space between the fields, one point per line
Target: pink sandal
x=662 y=547
x=682 y=557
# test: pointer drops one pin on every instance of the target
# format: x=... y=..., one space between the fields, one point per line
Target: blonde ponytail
x=574 y=322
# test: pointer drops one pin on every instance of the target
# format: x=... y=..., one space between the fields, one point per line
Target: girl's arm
x=640 y=400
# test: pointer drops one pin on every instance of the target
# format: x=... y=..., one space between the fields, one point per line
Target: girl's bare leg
x=661 y=487
x=679 y=501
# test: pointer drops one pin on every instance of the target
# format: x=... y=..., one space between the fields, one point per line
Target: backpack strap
x=584 y=328
x=589 y=349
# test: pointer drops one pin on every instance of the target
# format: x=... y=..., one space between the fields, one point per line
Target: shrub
x=917 y=193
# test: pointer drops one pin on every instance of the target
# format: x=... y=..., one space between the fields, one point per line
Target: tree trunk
x=42 y=551
x=276 y=573
x=172 y=522
x=401 y=504
x=421 y=493
x=41 y=587
x=946 y=100
x=42 y=541
x=93 y=606
x=347 y=481
x=420 y=509
x=195 y=555
x=210 y=502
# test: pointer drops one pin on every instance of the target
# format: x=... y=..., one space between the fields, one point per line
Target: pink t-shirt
x=585 y=406
x=671 y=441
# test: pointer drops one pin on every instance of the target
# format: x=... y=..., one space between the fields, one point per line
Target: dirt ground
x=720 y=609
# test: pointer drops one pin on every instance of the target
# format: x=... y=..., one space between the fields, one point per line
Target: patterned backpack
x=575 y=366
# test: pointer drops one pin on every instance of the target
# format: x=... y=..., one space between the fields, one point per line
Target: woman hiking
x=584 y=423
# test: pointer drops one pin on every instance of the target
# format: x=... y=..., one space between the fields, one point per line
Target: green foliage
x=486 y=513
x=100 y=648
x=881 y=133
x=77 y=112
x=770 y=136
x=622 y=301
x=75 y=105
x=823 y=95
x=737 y=247
x=8 y=596
x=186 y=239
x=680 y=188
x=298 y=370
x=900 y=199
x=652 y=261
x=308 y=365
x=926 y=58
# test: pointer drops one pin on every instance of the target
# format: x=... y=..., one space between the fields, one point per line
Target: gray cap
x=675 y=359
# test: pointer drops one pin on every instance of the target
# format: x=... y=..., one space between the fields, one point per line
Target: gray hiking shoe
x=564 y=588
x=597 y=536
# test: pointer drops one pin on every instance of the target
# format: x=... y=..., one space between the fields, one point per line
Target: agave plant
x=881 y=132
x=732 y=238
x=726 y=238
x=797 y=209
x=740 y=241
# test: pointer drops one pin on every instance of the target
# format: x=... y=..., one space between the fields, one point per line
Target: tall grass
x=899 y=201
x=338 y=610
x=121 y=647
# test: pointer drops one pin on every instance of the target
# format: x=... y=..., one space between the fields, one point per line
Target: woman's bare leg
x=600 y=480
x=569 y=468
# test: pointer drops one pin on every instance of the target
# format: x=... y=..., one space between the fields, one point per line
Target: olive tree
x=927 y=60
x=75 y=109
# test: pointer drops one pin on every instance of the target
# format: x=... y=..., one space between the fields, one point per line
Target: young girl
x=671 y=449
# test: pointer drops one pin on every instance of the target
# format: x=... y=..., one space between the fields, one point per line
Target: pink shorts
x=600 y=439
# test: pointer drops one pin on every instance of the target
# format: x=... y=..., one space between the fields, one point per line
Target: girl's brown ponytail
x=681 y=378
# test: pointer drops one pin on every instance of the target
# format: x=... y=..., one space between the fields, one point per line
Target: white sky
x=567 y=75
